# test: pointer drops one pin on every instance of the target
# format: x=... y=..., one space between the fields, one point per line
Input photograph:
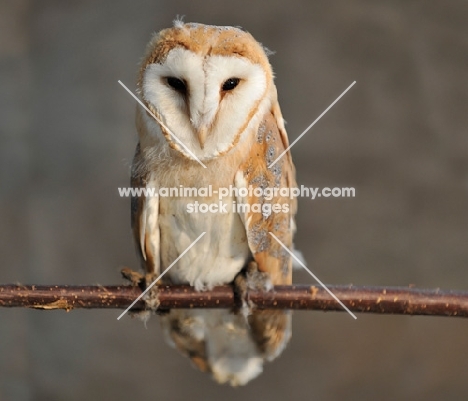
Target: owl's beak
x=202 y=134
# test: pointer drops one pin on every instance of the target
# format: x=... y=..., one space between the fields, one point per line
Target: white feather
x=204 y=106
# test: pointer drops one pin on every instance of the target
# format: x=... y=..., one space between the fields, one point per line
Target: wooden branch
x=382 y=300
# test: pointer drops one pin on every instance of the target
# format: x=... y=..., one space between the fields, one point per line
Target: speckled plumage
x=237 y=134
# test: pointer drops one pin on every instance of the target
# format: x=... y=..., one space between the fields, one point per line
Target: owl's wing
x=267 y=214
x=271 y=330
x=144 y=217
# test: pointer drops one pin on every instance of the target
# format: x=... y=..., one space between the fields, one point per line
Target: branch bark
x=382 y=300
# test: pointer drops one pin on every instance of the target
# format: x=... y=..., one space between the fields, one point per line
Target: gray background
x=399 y=136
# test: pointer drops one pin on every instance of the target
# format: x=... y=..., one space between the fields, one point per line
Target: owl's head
x=207 y=84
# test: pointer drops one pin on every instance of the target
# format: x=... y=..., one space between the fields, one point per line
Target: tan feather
x=267 y=252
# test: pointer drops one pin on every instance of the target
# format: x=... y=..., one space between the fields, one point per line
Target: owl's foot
x=143 y=281
x=136 y=278
x=250 y=279
x=152 y=295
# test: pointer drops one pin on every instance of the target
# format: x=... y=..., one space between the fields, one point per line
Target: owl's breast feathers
x=270 y=212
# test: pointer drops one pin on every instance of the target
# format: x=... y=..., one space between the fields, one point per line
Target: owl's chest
x=218 y=256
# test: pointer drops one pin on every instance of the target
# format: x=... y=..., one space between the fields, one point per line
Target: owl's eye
x=177 y=84
x=230 y=84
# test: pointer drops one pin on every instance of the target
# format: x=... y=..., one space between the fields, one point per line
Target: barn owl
x=218 y=124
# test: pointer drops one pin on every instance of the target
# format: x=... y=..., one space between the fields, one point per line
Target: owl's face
x=206 y=84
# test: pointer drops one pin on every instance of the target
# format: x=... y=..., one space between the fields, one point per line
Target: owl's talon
x=151 y=298
x=250 y=279
x=257 y=280
x=143 y=281
x=135 y=278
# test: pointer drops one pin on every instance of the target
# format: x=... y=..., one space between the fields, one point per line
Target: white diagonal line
x=160 y=122
x=311 y=125
x=313 y=275
x=162 y=274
